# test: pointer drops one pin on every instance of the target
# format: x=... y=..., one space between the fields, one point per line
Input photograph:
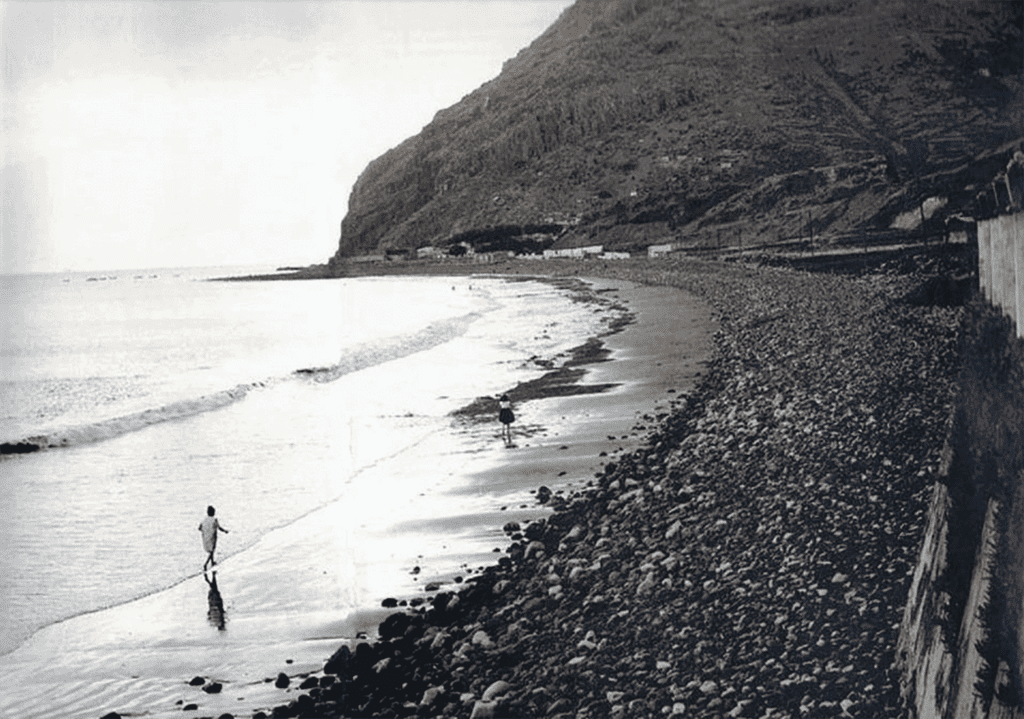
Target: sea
x=316 y=417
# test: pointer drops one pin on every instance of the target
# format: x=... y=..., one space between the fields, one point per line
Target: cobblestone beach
x=750 y=560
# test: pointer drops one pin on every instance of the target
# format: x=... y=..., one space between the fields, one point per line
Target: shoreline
x=750 y=559
x=474 y=515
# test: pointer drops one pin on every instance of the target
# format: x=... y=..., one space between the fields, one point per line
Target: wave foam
x=360 y=358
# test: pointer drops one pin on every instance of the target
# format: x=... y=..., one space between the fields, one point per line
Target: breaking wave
x=359 y=358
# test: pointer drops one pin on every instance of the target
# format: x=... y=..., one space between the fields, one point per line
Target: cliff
x=637 y=121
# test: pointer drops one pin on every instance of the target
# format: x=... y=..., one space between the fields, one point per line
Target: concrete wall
x=961 y=646
x=1001 y=265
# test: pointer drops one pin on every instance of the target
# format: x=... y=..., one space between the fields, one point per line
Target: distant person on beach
x=506 y=417
x=209 y=527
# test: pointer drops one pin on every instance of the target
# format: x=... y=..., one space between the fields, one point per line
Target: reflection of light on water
x=332 y=491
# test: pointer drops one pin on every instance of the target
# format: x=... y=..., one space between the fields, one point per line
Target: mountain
x=632 y=122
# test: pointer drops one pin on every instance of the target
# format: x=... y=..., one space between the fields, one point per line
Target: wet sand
x=561 y=441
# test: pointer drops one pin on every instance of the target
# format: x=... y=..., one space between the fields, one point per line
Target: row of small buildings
x=442 y=254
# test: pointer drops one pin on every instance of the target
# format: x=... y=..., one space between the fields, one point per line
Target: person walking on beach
x=209 y=527
x=506 y=417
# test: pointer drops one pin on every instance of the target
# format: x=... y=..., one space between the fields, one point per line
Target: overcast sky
x=172 y=133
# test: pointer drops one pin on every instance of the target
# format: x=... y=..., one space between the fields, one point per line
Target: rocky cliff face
x=640 y=121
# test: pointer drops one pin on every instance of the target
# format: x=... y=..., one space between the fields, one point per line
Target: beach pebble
x=575 y=533
x=431 y=696
x=213 y=688
x=282 y=681
x=482 y=639
x=483 y=710
x=495 y=690
x=197 y=682
x=534 y=548
x=442 y=640
x=339 y=661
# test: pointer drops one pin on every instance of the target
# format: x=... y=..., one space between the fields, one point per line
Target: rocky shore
x=751 y=560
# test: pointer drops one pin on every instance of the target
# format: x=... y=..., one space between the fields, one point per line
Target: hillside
x=632 y=122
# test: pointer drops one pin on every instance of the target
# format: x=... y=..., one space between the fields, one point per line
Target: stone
x=213 y=688
x=495 y=690
x=282 y=681
x=740 y=709
x=197 y=682
x=482 y=639
x=431 y=696
x=309 y=683
x=709 y=687
x=647 y=585
x=483 y=710
x=394 y=626
x=543 y=494
x=339 y=661
x=111 y=715
x=442 y=640
x=536 y=547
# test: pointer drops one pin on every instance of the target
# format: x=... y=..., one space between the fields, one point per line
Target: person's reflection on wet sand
x=216 y=613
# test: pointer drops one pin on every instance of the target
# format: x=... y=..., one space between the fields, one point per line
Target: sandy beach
x=750 y=558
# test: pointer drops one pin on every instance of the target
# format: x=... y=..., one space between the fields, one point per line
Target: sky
x=171 y=133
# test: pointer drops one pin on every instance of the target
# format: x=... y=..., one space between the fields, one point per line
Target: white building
x=661 y=250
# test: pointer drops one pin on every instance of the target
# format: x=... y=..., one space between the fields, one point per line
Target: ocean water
x=315 y=416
